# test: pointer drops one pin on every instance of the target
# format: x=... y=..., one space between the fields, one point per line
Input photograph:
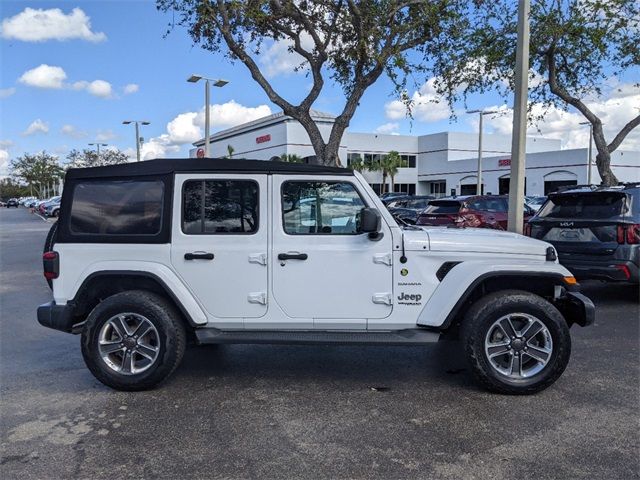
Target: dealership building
x=437 y=164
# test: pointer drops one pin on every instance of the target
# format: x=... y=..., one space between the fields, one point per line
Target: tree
x=388 y=166
x=230 y=151
x=575 y=49
x=39 y=170
x=12 y=189
x=291 y=158
x=357 y=164
x=393 y=162
x=351 y=42
x=89 y=158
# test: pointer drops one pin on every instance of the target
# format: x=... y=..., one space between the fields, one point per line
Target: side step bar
x=413 y=336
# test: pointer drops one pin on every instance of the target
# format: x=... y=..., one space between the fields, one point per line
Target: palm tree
x=357 y=164
x=291 y=158
x=393 y=161
x=380 y=165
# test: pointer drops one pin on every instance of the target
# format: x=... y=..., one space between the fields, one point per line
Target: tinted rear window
x=117 y=207
x=586 y=206
x=443 y=206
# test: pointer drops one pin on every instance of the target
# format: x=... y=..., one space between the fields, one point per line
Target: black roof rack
x=202 y=165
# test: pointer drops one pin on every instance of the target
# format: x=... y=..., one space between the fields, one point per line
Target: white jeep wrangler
x=148 y=255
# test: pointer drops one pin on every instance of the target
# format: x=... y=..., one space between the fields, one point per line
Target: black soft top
x=166 y=166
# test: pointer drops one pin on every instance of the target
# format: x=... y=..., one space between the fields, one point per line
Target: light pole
x=98 y=145
x=590 y=150
x=481 y=114
x=519 y=137
x=141 y=122
x=217 y=82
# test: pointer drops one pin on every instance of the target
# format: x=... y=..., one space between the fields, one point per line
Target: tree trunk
x=393 y=182
x=603 y=158
x=384 y=182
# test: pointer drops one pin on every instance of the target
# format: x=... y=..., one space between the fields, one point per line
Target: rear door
x=581 y=224
x=219 y=243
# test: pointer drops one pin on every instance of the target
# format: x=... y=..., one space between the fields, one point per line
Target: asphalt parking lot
x=307 y=412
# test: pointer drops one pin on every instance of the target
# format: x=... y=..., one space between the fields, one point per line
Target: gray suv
x=596 y=231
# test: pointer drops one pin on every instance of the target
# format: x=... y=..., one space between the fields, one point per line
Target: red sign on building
x=505 y=162
x=263 y=138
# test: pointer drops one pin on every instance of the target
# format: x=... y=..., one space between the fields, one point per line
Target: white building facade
x=438 y=164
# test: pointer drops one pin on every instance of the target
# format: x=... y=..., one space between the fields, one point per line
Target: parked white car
x=237 y=251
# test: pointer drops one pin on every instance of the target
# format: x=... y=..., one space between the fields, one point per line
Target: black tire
x=49 y=243
x=165 y=319
x=482 y=316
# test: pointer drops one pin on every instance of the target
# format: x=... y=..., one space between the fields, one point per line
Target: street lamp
x=218 y=82
x=141 y=122
x=590 y=147
x=481 y=114
x=98 y=145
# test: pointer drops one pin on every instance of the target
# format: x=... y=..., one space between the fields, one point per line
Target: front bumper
x=576 y=308
x=58 y=317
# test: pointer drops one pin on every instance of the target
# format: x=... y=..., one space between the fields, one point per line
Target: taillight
x=633 y=234
x=628 y=233
x=51 y=265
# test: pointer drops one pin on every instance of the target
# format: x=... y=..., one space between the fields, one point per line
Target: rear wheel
x=516 y=342
x=133 y=340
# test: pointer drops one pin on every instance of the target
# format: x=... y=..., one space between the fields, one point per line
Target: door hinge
x=383 y=258
x=382 y=298
x=257 y=297
x=259 y=258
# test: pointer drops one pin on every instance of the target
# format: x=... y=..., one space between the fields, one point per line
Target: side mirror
x=370 y=222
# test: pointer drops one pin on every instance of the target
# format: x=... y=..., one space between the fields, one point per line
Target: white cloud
x=426 y=105
x=44 y=76
x=279 y=59
x=188 y=127
x=131 y=88
x=6 y=143
x=72 y=131
x=4 y=162
x=7 y=92
x=105 y=135
x=39 y=25
x=99 y=88
x=37 y=126
x=617 y=110
x=388 y=128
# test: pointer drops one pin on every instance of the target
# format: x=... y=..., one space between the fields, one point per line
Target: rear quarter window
x=117 y=207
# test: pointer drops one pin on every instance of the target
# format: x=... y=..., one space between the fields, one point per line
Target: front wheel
x=133 y=340
x=516 y=342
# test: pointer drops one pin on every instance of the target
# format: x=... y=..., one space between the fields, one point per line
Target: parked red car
x=479 y=211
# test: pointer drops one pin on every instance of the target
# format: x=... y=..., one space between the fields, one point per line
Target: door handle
x=198 y=256
x=292 y=256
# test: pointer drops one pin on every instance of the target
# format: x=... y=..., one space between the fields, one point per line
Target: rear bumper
x=610 y=270
x=58 y=317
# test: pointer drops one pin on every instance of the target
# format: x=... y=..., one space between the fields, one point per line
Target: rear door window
x=213 y=207
x=117 y=207
x=443 y=206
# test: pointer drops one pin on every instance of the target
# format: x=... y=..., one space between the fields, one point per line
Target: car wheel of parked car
x=517 y=342
x=133 y=340
x=49 y=243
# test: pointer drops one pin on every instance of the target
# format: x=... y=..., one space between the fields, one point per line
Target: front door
x=219 y=243
x=322 y=267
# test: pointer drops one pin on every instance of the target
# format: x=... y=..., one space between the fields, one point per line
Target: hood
x=480 y=240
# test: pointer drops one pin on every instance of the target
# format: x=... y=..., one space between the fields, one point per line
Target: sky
x=73 y=71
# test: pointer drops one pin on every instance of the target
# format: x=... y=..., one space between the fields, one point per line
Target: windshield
x=598 y=206
x=443 y=206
